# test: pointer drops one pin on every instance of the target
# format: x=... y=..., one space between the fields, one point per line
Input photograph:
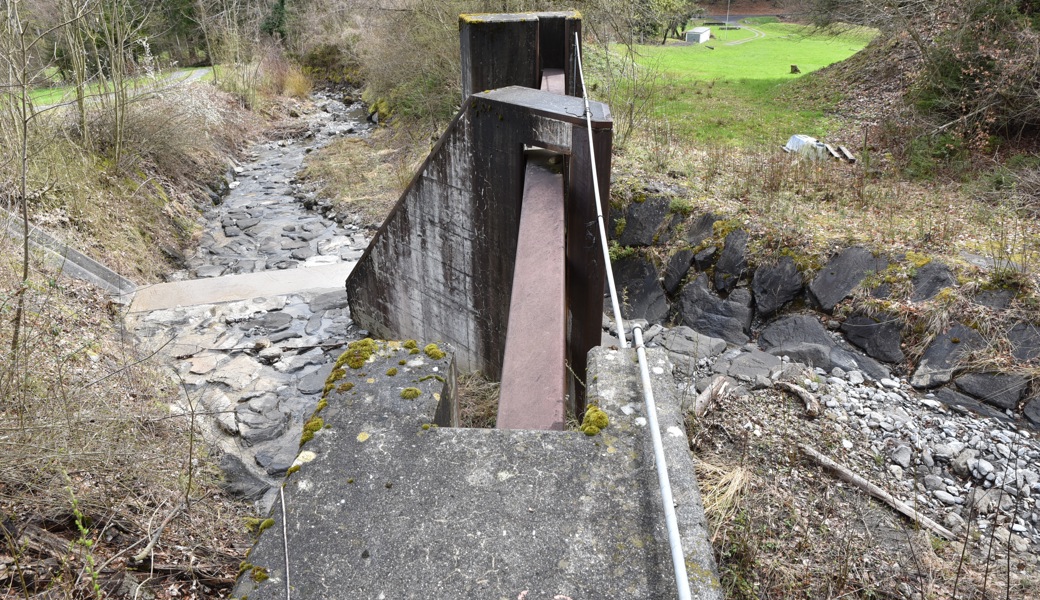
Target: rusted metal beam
x=533 y=387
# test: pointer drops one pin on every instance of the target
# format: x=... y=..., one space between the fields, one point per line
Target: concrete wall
x=441 y=266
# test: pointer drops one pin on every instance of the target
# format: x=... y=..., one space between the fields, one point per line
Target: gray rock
x=961 y=462
x=1001 y=390
x=328 y=301
x=842 y=274
x=732 y=261
x=795 y=329
x=955 y=399
x=239 y=480
x=879 y=336
x=636 y=277
x=303 y=253
x=775 y=285
x=947 y=498
x=279 y=455
x=704 y=259
x=995 y=299
x=901 y=456
x=314 y=382
x=272 y=321
x=676 y=269
x=934 y=482
x=261 y=421
x=753 y=367
x=1025 y=341
x=1031 y=412
x=930 y=280
x=643 y=220
x=991 y=500
x=701 y=229
x=686 y=347
x=710 y=315
x=941 y=358
x=237 y=373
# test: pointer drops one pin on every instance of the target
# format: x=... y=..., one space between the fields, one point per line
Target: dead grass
x=478 y=401
x=94 y=460
x=364 y=176
x=783 y=528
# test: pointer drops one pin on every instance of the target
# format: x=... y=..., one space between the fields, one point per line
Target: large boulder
x=1025 y=341
x=956 y=399
x=878 y=335
x=710 y=315
x=842 y=274
x=676 y=269
x=942 y=357
x=804 y=339
x=701 y=229
x=643 y=220
x=930 y=280
x=794 y=329
x=636 y=278
x=686 y=347
x=775 y=284
x=732 y=262
x=998 y=389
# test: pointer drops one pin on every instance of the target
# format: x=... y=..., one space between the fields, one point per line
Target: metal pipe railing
x=682 y=581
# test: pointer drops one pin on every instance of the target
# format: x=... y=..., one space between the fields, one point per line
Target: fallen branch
x=706 y=398
x=851 y=478
x=143 y=554
x=812 y=405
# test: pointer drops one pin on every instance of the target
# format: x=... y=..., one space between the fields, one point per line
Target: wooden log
x=851 y=478
x=832 y=151
x=849 y=156
x=812 y=405
x=706 y=398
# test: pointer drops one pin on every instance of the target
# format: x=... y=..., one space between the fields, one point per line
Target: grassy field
x=53 y=95
x=739 y=81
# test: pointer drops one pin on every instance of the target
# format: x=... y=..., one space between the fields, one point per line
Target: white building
x=698 y=35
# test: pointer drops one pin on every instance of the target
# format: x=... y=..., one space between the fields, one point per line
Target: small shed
x=698 y=35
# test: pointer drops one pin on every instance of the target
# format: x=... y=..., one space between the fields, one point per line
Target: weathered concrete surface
x=441 y=265
x=231 y=288
x=385 y=506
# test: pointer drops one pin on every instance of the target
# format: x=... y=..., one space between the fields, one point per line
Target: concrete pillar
x=498 y=50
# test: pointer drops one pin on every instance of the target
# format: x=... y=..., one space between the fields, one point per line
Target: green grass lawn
x=54 y=95
x=738 y=88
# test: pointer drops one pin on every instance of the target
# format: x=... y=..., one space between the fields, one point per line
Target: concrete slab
x=231 y=288
x=385 y=505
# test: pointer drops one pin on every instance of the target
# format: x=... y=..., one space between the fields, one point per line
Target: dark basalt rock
x=1032 y=412
x=952 y=398
x=999 y=389
x=1025 y=341
x=775 y=285
x=995 y=299
x=941 y=358
x=930 y=280
x=704 y=259
x=795 y=329
x=636 y=278
x=879 y=336
x=675 y=271
x=701 y=229
x=239 y=480
x=707 y=314
x=732 y=262
x=643 y=220
x=843 y=273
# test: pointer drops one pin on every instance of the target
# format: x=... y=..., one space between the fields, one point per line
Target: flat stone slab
x=386 y=505
x=231 y=288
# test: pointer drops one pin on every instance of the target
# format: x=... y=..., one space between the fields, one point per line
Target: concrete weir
x=389 y=501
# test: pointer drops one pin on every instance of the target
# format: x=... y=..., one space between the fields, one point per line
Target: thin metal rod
x=285 y=542
x=599 y=203
x=682 y=581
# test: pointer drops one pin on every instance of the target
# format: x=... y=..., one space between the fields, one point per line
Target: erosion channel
x=252 y=326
